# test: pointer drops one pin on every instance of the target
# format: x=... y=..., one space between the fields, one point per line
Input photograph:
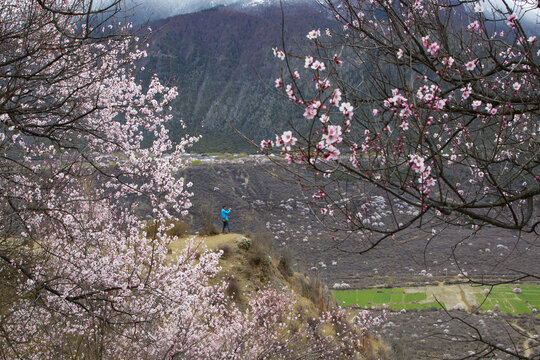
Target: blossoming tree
x=85 y=163
x=429 y=104
x=418 y=115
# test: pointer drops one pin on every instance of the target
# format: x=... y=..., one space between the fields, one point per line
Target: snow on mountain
x=150 y=10
x=252 y=3
x=255 y=3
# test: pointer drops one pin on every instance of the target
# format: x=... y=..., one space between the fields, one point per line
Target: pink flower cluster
x=418 y=165
x=432 y=48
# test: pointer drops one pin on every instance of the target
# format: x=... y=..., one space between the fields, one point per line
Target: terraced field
x=503 y=298
x=394 y=298
x=507 y=301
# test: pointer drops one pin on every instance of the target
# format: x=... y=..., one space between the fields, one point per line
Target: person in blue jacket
x=225 y=219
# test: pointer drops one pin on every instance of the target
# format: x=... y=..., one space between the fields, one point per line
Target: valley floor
x=262 y=202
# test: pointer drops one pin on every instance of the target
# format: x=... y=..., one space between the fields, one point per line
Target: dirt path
x=450 y=295
x=527 y=349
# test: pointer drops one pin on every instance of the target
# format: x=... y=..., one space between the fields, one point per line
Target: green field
x=501 y=298
x=504 y=299
x=394 y=298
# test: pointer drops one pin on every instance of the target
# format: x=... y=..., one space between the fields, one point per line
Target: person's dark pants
x=226 y=223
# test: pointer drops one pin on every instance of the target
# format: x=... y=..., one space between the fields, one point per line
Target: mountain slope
x=221 y=60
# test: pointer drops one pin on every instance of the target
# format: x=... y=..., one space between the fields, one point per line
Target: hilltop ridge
x=250 y=264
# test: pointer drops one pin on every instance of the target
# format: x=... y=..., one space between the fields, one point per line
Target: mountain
x=221 y=59
x=144 y=11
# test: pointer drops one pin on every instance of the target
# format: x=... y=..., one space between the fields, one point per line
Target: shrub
x=341 y=286
x=243 y=243
x=261 y=241
x=180 y=228
x=308 y=289
x=233 y=288
x=256 y=258
x=285 y=264
x=208 y=217
x=260 y=249
x=312 y=289
x=340 y=323
x=226 y=250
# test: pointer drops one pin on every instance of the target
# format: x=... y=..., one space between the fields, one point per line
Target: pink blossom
x=266 y=144
x=405 y=112
x=310 y=112
x=466 y=92
x=474 y=26
x=308 y=61
x=439 y=104
x=404 y=125
x=448 y=61
x=290 y=93
x=471 y=65
x=425 y=41
x=336 y=97
x=332 y=153
x=490 y=109
x=313 y=34
x=434 y=48
x=417 y=162
x=288 y=140
x=511 y=21
x=318 y=65
x=397 y=98
x=278 y=53
x=347 y=109
x=333 y=134
x=323 y=84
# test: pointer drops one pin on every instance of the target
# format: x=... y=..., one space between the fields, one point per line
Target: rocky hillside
x=221 y=59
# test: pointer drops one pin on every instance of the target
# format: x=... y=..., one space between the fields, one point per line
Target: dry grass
x=180 y=228
x=211 y=242
x=247 y=271
x=285 y=264
x=226 y=250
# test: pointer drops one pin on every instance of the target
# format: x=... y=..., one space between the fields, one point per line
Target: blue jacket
x=224 y=214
